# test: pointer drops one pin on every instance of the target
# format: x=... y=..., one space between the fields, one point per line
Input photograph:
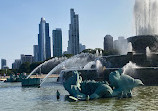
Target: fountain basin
x=140 y=43
x=31 y=82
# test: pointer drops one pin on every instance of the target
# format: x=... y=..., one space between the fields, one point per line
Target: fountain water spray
x=130 y=48
x=75 y=62
x=53 y=60
x=97 y=53
x=89 y=65
x=101 y=53
x=148 y=52
x=99 y=66
x=146 y=14
x=123 y=46
x=129 y=68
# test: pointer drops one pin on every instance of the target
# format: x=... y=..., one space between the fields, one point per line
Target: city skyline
x=95 y=23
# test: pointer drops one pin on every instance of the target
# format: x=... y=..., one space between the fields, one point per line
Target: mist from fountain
x=129 y=68
x=90 y=65
x=146 y=14
x=101 y=53
x=99 y=66
x=55 y=61
x=97 y=53
x=130 y=48
x=75 y=62
x=148 y=52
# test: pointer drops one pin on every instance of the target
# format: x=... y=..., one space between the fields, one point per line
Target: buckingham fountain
x=91 y=76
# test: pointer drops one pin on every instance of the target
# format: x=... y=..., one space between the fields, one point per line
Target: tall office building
x=57 y=42
x=26 y=58
x=16 y=64
x=3 y=63
x=44 y=50
x=73 y=43
x=82 y=47
x=35 y=51
x=108 y=42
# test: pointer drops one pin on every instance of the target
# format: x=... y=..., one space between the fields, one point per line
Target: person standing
x=4 y=75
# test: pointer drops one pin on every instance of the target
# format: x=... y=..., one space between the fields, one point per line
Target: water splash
x=121 y=45
x=55 y=61
x=99 y=66
x=101 y=53
x=130 y=47
x=97 y=53
x=90 y=65
x=148 y=52
x=75 y=62
x=129 y=68
x=146 y=14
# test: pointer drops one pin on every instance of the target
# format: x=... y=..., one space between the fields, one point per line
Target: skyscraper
x=108 y=42
x=3 y=63
x=73 y=43
x=35 y=51
x=57 y=42
x=16 y=64
x=44 y=50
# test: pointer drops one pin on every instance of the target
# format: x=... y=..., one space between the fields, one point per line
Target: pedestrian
x=4 y=75
x=58 y=95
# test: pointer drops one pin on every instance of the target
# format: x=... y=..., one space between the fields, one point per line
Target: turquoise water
x=15 y=98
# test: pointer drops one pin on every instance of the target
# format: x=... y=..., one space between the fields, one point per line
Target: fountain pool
x=44 y=99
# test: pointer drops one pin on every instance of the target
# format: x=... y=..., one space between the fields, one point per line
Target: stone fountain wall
x=121 y=60
x=147 y=71
x=140 y=43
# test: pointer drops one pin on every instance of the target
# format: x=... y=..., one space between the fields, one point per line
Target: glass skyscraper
x=35 y=51
x=3 y=63
x=43 y=41
x=73 y=43
x=57 y=42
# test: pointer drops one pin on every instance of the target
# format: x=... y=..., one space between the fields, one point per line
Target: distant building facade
x=44 y=49
x=3 y=63
x=16 y=64
x=82 y=47
x=57 y=42
x=115 y=44
x=5 y=67
x=26 y=58
x=35 y=51
x=73 y=43
x=121 y=45
x=108 y=42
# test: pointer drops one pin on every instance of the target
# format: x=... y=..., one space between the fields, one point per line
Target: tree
x=110 y=52
x=25 y=67
x=68 y=55
x=34 y=65
x=89 y=51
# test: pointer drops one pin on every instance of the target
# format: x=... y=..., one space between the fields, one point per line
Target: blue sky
x=20 y=19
